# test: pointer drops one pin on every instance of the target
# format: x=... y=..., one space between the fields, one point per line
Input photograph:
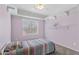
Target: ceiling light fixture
x=39 y=6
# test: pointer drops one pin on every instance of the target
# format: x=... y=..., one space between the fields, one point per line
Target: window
x=30 y=27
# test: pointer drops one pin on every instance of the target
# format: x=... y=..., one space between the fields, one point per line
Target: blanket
x=32 y=47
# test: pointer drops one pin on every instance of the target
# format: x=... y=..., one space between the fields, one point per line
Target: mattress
x=31 y=47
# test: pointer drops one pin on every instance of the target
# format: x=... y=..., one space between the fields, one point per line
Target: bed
x=30 y=47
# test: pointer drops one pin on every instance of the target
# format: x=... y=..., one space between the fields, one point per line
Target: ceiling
x=50 y=9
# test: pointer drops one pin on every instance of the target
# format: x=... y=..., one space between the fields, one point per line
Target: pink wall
x=17 y=29
x=5 y=26
x=65 y=37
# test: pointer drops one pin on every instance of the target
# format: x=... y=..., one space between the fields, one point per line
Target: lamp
x=39 y=6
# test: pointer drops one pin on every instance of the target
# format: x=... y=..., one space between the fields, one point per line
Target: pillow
x=12 y=46
x=25 y=44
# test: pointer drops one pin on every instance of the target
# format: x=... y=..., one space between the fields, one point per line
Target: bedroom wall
x=5 y=26
x=17 y=29
x=67 y=37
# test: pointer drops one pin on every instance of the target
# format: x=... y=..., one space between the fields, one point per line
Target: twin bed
x=30 y=47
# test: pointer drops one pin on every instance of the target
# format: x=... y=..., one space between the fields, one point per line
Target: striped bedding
x=33 y=47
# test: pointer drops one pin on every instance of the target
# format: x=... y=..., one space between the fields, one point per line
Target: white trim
x=12 y=10
x=29 y=17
